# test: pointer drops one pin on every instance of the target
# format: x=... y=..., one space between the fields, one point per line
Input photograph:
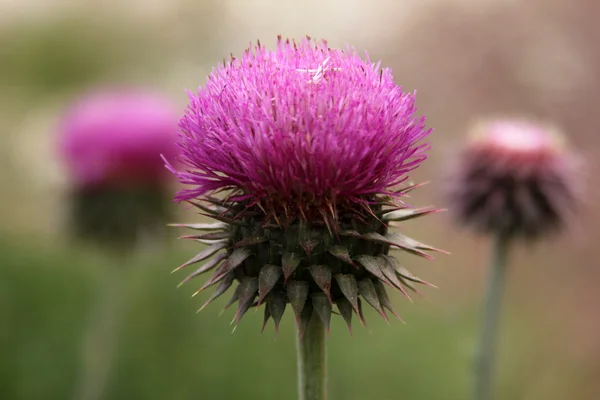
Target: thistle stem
x=312 y=362
x=491 y=317
x=100 y=339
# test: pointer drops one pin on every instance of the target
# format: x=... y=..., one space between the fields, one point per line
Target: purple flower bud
x=514 y=177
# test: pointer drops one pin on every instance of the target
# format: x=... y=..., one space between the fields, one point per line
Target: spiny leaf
x=349 y=288
x=211 y=210
x=387 y=267
x=350 y=233
x=368 y=292
x=376 y=266
x=408 y=284
x=327 y=220
x=322 y=277
x=345 y=309
x=297 y=293
x=342 y=253
x=211 y=242
x=237 y=257
x=222 y=218
x=322 y=306
x=394 y=240
x=411 y=245
x=267 y=278
x=290 y=262
x=214 y=279
x=374 y=236
x=224 y=204
x=361 y=316
x=207 y=266
x=412 y=187
x=266 y=317
x=276 y=304
x=384 y=299
x=309 y=245
x=408 y=275
x=409 y=213
x=391 y=207
x=305 y=317
x=222 y=288
x=397 y=241
x=234 y=297
x=247 y=294
x=250 y=240
x=373 y=265
x=210 y=236
x=203 y=255
x=202 y=227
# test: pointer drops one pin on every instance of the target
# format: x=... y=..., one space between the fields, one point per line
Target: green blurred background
x=466 y=58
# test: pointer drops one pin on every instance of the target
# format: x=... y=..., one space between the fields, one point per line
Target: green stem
x=312 y=362
x=491 y=317
x=100 y=339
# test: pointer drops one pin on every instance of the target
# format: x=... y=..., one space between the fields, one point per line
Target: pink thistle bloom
x=514 y=177
x=116 y=138
x=311 y=145
x=111 y=142
x=301 y=126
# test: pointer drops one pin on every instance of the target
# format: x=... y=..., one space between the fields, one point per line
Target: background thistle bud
x=110 y=142
x=514 y=177
x=311 y=146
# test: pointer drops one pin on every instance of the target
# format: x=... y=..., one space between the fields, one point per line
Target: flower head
x=110 y=142
x=514 y=177
x=312 y=145
x=301 y=127
x=115 y=137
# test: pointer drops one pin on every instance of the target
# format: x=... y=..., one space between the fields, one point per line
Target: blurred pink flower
x=116 y=137
x=514 y=177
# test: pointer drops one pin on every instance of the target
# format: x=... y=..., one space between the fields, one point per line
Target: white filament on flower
x=318 y=73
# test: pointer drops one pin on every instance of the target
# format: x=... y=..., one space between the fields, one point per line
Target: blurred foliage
x=55 y=56
x=59 y=56
x=42 y=307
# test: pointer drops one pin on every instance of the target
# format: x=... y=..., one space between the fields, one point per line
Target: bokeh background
x=466 y=58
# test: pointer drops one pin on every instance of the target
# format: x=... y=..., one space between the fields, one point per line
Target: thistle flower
x=516 y=178
x=311 y=146
x=513 y=179
x=110 y=142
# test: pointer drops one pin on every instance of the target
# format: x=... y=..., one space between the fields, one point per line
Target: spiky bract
x=302 y=263
x=516 y=178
